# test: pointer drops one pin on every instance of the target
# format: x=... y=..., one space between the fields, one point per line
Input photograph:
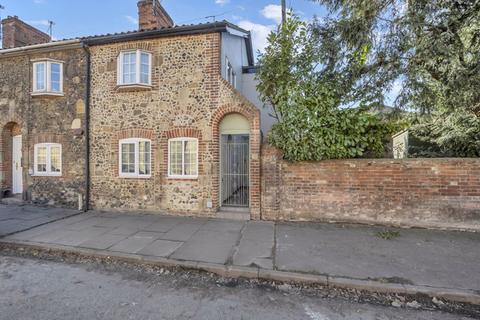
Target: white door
x=17 y=176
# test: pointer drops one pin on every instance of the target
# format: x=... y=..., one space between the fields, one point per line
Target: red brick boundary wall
x=438 y=193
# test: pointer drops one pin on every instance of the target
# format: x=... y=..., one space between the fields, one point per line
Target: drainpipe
x=27 y=194
x=87 y=130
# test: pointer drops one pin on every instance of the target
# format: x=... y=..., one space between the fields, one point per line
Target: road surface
x=37 y=289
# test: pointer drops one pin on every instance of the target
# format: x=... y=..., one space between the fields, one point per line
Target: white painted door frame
x=17 y=171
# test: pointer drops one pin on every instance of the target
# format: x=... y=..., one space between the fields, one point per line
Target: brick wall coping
x=272 y=151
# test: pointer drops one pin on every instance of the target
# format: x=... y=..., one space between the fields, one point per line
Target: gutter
x=159 y=33
x=62 y=45
x=87 y=129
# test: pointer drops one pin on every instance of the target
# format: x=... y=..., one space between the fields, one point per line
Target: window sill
x=133 y=87
x=47 y=94
x=35 y=175
x=135 y=177
x=182 y=177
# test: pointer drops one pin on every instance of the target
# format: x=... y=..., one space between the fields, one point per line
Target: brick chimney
x=17 y=33
x=151 y=15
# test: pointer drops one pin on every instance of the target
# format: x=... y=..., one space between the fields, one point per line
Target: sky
x=75 y=18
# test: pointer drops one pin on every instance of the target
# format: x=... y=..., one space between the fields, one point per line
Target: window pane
x=129 y=67
x=175 y=157
x=55 y=159
x=145 y=68
x=55 y=77
x=144 y=158
x=41 y=159
x=190 y=165
x=40 y=76
x=128 y=158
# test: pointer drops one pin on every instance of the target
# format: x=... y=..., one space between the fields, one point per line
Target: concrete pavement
x=444 y=259
x=414 y=261
x=14 y=218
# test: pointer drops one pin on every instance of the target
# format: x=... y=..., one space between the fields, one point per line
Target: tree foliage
x=447 y=134
x=308 y=93
x=428 y=51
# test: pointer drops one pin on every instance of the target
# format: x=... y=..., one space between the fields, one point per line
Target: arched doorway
x=234 y=161
x=11 y=181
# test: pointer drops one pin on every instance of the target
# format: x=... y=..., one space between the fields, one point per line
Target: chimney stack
x=17 y=33
x=151 y=15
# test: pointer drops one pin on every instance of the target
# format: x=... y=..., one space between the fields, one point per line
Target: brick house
x=170 y=129
x=167 y=119
x=166 y=126
x=42 y=107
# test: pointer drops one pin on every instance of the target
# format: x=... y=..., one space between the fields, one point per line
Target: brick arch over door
x=7 y=132
x=253 y=116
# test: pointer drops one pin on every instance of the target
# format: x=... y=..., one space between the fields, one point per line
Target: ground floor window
x=183 y=158
x=135 y=158
x=48 y=159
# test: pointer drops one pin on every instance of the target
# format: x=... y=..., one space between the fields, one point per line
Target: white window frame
x=135 y=174
x=48 y=159
x=47 y=77
x=183 y=176
x=138 y=68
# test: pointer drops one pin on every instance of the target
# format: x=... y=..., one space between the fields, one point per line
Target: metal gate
x=235 y=182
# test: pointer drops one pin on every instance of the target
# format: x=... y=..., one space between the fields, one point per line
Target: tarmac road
x=38 y=289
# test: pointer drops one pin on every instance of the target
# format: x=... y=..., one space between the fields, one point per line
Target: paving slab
x=256 y=245
x=51 y=236
x=111 y=223
x=223 y=225
x=125 y=230
x=136 y=242
x=75 y=238
x=29 y=234
x=182 y=232
x=420 y=257
x=17 y=218
x=131 y=245
x=206 y=245
x=160 y=248
x=102 y=242
x=148 y=235
x=163 y=225
x=83 y=224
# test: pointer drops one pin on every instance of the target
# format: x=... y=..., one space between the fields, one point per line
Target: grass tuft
x=388 y=234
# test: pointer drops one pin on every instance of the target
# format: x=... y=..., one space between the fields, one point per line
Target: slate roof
x=186 y=29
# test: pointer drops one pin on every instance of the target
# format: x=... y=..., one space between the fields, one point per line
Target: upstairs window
x=48 y=159
x=135 y=158
x=183 y=158
x=134 y=68
x=48 y=77
x=230 y=74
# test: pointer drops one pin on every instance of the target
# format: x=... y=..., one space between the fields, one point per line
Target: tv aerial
x=1 y=33
x=50 y=28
